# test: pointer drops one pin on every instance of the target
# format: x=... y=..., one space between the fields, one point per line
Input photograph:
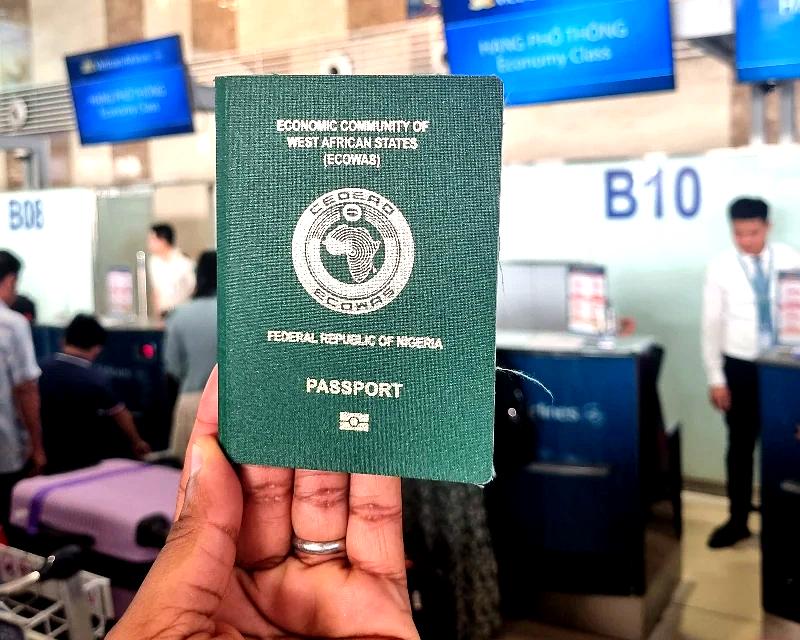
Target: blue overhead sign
x=547 y=50
x=131 y=92
x=767 y=40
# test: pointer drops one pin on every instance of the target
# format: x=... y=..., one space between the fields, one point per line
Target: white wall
x=57 y=249
x=693 y=118
x=267 y=24
x=167 y=17
x=62 y=27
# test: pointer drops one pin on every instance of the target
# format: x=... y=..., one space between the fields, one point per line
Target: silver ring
x=318 y=548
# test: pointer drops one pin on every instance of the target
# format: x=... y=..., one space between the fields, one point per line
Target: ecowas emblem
x=353 y=251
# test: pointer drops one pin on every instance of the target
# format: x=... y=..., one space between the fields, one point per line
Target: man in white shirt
x=738 y=323
x=171 y=272
x=21 y=448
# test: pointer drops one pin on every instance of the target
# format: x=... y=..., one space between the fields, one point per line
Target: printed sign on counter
x=587 y=299
x=789 y=308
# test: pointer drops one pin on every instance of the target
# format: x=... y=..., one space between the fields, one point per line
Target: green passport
x=357 y=235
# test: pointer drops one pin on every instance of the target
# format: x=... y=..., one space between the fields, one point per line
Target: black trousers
x=744 y=426
x=7 y=482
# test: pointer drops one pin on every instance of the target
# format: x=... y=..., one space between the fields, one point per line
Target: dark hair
x=9 y=264
x=85 y=332
x=165 y=232
x=25 y=306
x=749 y=209
x=206 y=275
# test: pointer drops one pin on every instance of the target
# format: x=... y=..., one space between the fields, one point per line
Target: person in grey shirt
x=21 y=449
x=190 y=349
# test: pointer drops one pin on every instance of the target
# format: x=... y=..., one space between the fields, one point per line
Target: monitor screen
x=587 y=300
x=130 y=92
x=767 y=37
x=547 y=50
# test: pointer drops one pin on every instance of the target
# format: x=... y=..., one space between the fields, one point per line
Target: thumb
x=184 y=588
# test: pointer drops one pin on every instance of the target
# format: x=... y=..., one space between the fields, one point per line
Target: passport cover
x=357 y=237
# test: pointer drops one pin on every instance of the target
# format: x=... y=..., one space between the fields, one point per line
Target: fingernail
x=197 y=460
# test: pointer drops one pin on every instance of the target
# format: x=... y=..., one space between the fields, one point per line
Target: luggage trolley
x=119 y=512
x=51 y=598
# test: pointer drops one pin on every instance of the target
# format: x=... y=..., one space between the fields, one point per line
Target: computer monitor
x=131 y=92
x=549 y=50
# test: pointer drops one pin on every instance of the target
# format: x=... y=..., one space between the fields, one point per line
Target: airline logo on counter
x=591 y=414
x=338 y=258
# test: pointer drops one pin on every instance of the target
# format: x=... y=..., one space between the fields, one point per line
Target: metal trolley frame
x=35 y=606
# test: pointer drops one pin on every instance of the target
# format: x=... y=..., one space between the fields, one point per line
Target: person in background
x=82 y=418
x=171 y=272
x=21 y=449
x=738 y=323
x=190 y=349
x=26 y=307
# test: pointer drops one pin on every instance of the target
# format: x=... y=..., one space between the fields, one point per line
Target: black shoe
x=728 y=535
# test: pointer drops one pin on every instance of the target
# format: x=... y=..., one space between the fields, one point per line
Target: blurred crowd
x=62 y=413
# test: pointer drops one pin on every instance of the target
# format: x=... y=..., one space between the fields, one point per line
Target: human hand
x=38 y=461
x=140 y=448
x=720 y=397
x=228 y=570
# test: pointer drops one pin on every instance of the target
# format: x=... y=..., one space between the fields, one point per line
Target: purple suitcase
x=106 y=502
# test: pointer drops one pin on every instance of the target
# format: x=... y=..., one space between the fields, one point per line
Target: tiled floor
x=718 y=598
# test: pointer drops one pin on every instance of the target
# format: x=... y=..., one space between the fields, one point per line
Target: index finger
x=206 y=423
x=375 y=526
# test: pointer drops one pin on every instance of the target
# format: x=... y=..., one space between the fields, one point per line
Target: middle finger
x=320 y=509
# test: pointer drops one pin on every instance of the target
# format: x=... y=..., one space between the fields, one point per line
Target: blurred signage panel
x=587 y=300
x=547 y=50
x=52 y=231
x=130 y=92
x=789 y=308
x=767 y=40
x=119 y=293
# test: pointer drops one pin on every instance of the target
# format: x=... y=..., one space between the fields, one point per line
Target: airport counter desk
x=585 y=510
x=132 y=360
x=779 y=376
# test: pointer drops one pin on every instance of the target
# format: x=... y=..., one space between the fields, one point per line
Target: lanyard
x=752 y=280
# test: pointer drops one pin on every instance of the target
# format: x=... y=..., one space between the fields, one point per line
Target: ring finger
x=319 y=510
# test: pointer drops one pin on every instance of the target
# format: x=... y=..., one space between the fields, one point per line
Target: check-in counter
x=132 y=360
x=585 y=509
x=779 y=376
